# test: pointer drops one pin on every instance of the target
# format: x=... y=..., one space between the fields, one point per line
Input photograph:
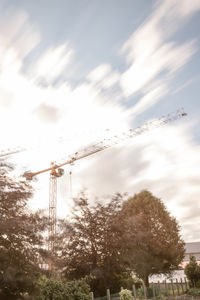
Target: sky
x=75 y=72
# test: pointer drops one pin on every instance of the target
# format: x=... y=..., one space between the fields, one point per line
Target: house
x=191 y=249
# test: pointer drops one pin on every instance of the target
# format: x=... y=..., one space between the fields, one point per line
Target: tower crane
x=57 y=171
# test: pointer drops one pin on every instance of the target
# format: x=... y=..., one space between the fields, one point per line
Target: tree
x=90 y=244
x=20 y=236
x=192 y=271
x=150 y=235
x=111 y=240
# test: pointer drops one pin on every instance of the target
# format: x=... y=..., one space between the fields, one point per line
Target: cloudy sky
x=71 y=70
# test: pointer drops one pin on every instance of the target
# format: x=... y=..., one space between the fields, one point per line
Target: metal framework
x=57 y=171
x=11 y=151
x=52 y=212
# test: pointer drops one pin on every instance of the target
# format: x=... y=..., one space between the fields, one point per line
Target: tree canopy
x=106 y=240
x=20 y=236
x=151 y=235
x=92 y=243
x=111 y=240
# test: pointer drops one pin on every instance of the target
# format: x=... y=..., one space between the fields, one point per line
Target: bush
x=194 y=292
x=57 y=289
x=140 y=293
x=198 y=284
x=192 y=271
x=125 y=295
x=138 y=282
x=126 y=280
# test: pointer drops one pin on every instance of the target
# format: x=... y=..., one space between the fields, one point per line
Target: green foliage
x=51 y=289
x=57 y=289
x=107 y=241
x=91 y=244
x=194 y=292
x=198 y=284
x=140 y=293
x=150 y=235
x=20 y=237
x=192 y=271
x=125 y=295
x=149 y=291
x=126 y=280
x=138 y=282
x=78 y=289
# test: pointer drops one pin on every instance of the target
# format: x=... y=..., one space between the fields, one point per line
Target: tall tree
x=92 y=243
x=151 y=236
x=20 y=236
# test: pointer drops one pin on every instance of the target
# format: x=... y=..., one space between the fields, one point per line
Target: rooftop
x=192 y=248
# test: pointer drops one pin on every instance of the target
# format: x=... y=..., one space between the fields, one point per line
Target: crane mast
x=52 y=212
x=56 y=170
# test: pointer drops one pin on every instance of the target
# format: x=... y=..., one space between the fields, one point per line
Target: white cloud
x=52 y=63
x=17 y=35
x=163 y=161
x=178 y=9
x=147 y=101
x=103 y=76
x=99 y=73
x=167 y=58
x=152 y=54
x=37 y=115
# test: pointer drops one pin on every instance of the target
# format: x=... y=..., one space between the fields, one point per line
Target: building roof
x=192 y=248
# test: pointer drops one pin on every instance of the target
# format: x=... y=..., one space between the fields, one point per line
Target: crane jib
x=107 y=143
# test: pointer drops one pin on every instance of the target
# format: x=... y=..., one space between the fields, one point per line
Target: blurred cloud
x=163 y=161
x=52 y=63
x=152 y=54
x=17 y=35
x=37 y=109
x=47 y=113
x=170 y=9
x=150 y=98
x=99 y=73
x=104 y=77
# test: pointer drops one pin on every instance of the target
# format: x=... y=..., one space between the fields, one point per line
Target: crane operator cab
x=57 y=172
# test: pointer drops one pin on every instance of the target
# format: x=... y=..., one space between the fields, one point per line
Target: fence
x=159 y=290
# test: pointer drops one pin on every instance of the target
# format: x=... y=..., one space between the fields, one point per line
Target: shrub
x=198 y=284
x=194 y=292
x=140 y=293
x=126 y=280
x=125 y=295
x=192 y=271
x=57 y=289
x=138 y=282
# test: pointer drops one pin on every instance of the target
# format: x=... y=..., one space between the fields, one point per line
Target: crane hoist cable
x=70 y=184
